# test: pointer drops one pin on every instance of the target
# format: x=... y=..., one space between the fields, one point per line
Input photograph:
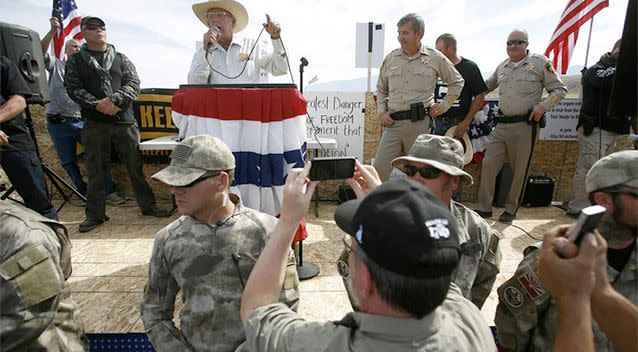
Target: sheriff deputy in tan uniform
x=520 y=79
x=407 y=300
x=405 y=92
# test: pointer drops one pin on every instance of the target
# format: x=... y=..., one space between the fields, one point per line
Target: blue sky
x=159 y=36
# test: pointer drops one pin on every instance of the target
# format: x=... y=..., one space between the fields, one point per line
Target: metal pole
x=591 y=25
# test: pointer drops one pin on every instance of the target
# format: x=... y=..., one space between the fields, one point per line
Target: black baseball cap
x=400 y=224
x=93 y=20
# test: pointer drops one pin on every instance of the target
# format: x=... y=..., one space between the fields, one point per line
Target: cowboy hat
x=236 y=9
x=467 y=145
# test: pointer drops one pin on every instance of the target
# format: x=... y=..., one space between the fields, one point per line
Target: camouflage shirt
x=480 y=254
x=36 y=310
x=209 y=264
x=527 y=318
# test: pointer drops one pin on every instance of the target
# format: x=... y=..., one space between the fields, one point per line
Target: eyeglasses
x=347 y=242
x=214 y=14
x=516 y=42
x=428 y=173
x=91 y=27
x=198 y=181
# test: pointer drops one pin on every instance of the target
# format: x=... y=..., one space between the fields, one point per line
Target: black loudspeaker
x=539 y=191
x=22 y=46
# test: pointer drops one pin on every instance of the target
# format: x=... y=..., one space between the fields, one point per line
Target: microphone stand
x=306 y=270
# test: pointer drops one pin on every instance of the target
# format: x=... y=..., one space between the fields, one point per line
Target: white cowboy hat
x=236 y=9
x=467 y=145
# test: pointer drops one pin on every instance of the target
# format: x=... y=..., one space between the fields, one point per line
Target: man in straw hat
x=437 y=163
x=207 y=253
x=407 y=300
x=526 y=318
x=222 y=58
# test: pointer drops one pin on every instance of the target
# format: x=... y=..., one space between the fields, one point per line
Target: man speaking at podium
x=222 y=59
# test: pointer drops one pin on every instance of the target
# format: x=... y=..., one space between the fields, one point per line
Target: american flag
x=67 y=13
x=564 y=38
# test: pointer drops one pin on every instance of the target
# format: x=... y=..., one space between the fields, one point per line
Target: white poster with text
x=338 y=115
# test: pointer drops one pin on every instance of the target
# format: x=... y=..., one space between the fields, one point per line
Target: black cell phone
x=587 y=222
x=332 y=168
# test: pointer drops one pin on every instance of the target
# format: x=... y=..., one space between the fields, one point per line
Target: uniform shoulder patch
x=549 y=67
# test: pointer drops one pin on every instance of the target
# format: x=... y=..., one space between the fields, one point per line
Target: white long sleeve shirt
x=231 y=62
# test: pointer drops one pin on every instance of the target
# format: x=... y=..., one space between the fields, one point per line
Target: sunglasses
x=516 y=42
x=198 y=181
x=91 y=27
x=428 y=173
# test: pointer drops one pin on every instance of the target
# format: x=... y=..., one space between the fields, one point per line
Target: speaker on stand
x=22 y=46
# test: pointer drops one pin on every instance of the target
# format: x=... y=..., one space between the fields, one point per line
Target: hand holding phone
x=332 y=168
x=587 y=222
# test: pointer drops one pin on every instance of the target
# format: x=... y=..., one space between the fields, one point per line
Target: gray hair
x=417 y=22
x=522 y=31
x=399 y=291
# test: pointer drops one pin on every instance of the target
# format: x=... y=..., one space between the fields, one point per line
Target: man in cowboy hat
x=437 y=163
x=221 y=58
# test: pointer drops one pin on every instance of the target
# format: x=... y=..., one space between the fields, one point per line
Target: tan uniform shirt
x=521 y=87
x=456 y=325
x=406 y=80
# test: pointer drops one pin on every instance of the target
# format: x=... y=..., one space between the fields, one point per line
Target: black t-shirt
x=12 y=83
x=474 y=84
x=617 y=258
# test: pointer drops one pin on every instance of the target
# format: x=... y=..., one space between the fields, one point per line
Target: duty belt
x=512 y=119
x=416 y=113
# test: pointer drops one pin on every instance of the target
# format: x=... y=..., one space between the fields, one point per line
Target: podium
x=264 y=126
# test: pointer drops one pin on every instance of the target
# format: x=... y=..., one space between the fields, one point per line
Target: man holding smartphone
x=526 y=318
x=437 y=163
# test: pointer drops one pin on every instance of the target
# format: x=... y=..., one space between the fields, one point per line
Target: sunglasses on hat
x=427 y=172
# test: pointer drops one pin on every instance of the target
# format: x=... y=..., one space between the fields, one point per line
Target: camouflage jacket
x=209 y=264
x=480 y=257
x=527 y=318
x=480 y=254
x=36 y=310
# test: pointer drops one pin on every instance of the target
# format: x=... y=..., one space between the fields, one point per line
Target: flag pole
x=591 y=25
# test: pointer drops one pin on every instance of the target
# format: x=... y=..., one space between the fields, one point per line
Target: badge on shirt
x=425 y=60
x=550 y=68
x=530 y=67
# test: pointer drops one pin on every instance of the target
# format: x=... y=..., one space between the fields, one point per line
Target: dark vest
x=92 y=85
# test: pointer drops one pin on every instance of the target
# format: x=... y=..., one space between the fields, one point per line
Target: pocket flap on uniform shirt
x=23 y=261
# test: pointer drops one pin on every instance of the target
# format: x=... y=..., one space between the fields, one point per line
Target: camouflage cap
x=195 y=156
x=618 y=169
x=443 y=153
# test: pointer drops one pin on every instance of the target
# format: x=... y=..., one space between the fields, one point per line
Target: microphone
x=216 y=30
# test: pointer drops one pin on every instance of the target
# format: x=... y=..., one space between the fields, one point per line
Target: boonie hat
x=195 y=156
x=399 y=225
x=443 y=153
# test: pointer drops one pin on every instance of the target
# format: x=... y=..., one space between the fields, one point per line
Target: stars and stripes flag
x=265 y=128
x=563 y=41
x=67 y=13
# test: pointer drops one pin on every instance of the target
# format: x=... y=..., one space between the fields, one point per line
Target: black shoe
x=483 y=214
x=89 y=224
x=157 y=212
x=506 y=217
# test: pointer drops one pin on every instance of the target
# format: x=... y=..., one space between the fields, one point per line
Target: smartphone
x=332 y=168
x=587 y=222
